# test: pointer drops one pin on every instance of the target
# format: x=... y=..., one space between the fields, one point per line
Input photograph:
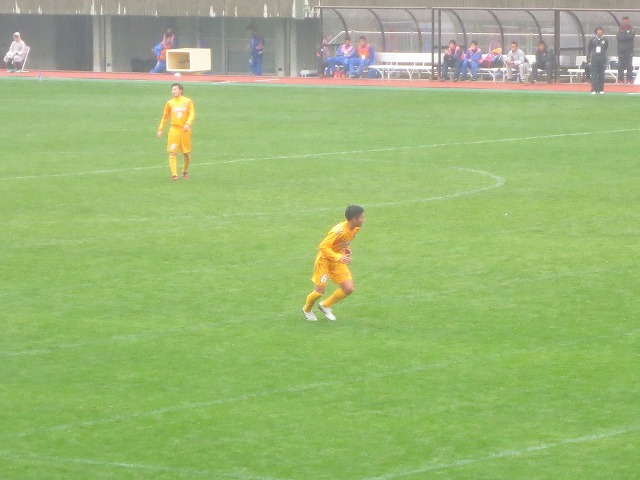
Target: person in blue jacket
x=345 y=52
x=256 y=49
x=364 y=58
x=471 y=59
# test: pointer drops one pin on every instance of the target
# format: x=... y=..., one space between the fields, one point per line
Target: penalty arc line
x=498 y=182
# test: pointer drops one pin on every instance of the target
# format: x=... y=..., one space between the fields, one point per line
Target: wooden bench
x=388 y=63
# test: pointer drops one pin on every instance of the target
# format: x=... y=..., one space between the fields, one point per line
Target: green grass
x=152 y=330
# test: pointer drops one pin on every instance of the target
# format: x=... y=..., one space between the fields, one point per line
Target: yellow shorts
x=325 y=269
x=179 y=140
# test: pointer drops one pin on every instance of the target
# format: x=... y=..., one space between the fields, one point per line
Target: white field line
x=188 y=472
x=326 y=154
x=498 y=182
x=117 y=340
x=229 y=218
x=185 y=407
x=509 y=453
x=185 y=472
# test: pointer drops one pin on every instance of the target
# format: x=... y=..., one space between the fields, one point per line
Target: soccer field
x=153 y=329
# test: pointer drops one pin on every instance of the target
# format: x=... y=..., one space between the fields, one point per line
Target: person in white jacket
x=16 y=54
x=516 y=60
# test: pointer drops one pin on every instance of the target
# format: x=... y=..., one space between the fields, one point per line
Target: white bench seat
x=389 y=63
x=492 y=72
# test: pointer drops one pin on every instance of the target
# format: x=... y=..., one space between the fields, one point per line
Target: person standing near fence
x=256 y=49
x=597 y=58
x=625 y=36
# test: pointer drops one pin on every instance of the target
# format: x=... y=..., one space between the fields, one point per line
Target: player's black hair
x=177 y=85
x=353 y=211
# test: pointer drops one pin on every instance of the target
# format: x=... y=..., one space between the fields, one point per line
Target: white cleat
x=310 y=316
x=327 y=312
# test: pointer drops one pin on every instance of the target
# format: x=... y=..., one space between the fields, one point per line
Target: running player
x=333 y=262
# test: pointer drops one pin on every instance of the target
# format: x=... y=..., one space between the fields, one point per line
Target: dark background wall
x=275 y=8
x=63 y=33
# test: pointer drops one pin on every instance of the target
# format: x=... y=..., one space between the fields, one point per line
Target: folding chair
x=24 y=62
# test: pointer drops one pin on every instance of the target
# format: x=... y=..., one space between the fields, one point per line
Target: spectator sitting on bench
x=452 y=59
x=516 y=60
x=345 y=52
x=472 y=59
x=544 y=61
x=16 y=54
x=363 y=59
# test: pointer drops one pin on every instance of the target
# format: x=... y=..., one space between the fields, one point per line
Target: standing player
x=333 y=261
x=182 y=113
x=597 y=58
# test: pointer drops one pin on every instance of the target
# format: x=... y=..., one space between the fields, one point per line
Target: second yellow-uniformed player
x=181 y=112
x=333 y=262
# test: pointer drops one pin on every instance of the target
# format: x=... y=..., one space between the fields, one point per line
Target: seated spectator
x=452 y=59
x=160 y=51
x=363 y=59
x=544 y=61
x=16 y=54
x=516 y=60
x=471 y=59
x=346 y=51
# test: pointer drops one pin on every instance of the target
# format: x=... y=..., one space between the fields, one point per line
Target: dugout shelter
x=118 y=35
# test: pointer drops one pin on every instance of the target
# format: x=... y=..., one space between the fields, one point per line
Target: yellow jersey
x=181 y=111
x=337 y=241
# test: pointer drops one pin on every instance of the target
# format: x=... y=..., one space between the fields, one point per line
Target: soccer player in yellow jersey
x=333 y=262
x=182 y=113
